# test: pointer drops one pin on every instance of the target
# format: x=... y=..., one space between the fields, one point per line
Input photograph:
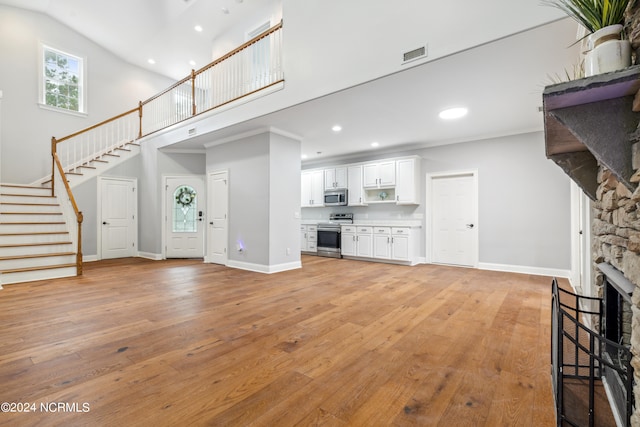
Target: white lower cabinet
x=401 y=247
x=357 y=241
x=383 y=243
x=308 y=238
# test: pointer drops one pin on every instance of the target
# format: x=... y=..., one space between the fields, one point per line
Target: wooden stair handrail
x=79 y=216
x=97 y=125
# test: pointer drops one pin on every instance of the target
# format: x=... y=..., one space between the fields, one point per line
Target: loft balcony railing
x=252 y=67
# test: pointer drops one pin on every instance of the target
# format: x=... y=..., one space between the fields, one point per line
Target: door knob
x=469 y=225
x=105 y=223
x=211 y=223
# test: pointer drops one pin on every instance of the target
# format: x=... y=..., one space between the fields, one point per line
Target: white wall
x=114 y=86
x=284 y=209
x=524 y=200
x=264 y=189
x=247 y=161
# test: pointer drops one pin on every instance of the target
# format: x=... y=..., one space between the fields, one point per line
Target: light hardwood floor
x=336 y=343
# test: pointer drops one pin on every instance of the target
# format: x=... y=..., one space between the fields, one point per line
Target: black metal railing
x=581 y=358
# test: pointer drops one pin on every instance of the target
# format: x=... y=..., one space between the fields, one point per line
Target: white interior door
x=454 y=225
x=218 y=185
x=118 y=217
x=185 y=203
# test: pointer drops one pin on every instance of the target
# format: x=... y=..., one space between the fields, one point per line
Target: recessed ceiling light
x=374 y=144
x=192 y=63
x=198 y=28
x=304 y=156
x=336 y=128
x=453 y=113
x=151 y=61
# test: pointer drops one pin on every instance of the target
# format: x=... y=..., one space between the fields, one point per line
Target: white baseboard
x=522 y=269
x=89 y=258
x=151 y=256
x=266 y=269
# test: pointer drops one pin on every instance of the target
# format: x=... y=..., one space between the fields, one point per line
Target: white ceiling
x=137 y=30
x=501 y=82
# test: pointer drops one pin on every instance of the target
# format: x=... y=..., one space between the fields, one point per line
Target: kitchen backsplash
x=381 y=211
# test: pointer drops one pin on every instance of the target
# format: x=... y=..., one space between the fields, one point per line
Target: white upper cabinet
x=407 y=181
x=312 y=189
x=355 y=192
x=394 y=181
x=379 y=175
x=335 y=178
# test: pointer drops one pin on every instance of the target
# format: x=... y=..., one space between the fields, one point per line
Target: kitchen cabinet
x=407 y=181
x=401 y=247
x=379 y=175
x=335 y=178
x=357 y=241
x=308 y=238
x=382 y=242
x=312 y=189
x=355 y=192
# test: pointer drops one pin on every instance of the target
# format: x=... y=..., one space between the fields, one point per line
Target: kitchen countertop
x=412 y=223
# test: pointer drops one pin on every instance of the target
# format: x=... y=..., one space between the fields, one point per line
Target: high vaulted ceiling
x=501 y=82
x=137 y=30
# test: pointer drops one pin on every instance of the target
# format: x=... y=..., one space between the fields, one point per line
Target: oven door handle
x=335 y=230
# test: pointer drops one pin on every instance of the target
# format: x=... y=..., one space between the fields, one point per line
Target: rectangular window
x=62 y=80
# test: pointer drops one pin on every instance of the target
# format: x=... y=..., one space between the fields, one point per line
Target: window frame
x=82 y=80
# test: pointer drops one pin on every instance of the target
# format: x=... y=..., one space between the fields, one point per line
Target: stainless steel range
x=329 y=234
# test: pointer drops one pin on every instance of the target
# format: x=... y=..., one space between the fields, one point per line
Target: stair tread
x=30 y=213
x=34 y=233
x=45 y=267
x=111 y=154
x=22 y=245
x=26 y=195
x=30 y=204
x=25 y=186
x=12 y=257
x=33 y=223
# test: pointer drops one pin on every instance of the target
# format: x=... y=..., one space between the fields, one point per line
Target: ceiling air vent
x=414 y=54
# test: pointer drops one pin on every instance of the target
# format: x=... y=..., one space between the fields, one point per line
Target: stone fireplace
x=592 y=131
x=616 y=241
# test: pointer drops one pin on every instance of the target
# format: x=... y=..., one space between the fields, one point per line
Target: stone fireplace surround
x=592 y=131
x=616 y=240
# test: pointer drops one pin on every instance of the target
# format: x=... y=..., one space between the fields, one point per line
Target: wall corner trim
x=266 y=269
x=151 y=256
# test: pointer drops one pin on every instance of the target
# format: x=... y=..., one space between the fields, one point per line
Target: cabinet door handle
x=387 y=240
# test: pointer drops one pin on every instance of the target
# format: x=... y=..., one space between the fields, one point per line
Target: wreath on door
x=185 y=196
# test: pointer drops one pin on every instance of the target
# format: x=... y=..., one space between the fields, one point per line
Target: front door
x=185 y=203
x=118 y=222
x=454 y=228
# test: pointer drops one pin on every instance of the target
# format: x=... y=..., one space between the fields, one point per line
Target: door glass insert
x=185 y=208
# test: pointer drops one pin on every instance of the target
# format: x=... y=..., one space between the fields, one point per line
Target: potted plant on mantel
x=607 y=48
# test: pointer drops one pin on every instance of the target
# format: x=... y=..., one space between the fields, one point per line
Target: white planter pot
x=607 y=52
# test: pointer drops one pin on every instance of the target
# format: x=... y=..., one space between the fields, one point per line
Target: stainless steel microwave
x=335 y=197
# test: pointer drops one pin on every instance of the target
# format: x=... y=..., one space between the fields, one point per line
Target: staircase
x=96 y=165
x=35 y=242
x=37 y=234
